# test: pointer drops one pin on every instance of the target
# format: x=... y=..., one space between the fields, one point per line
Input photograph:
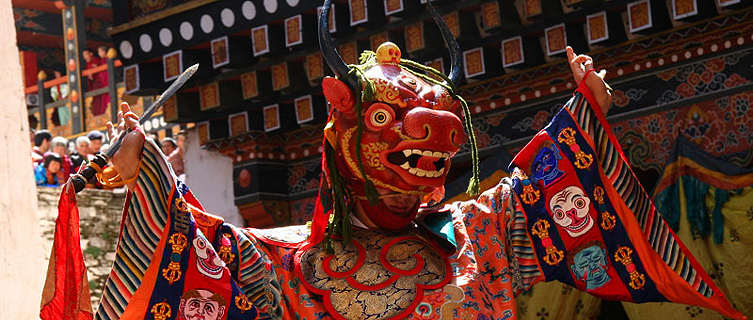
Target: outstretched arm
x=581 y=201
x=150 y=182
x=144 y=226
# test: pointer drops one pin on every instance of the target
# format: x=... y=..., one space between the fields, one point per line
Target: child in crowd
x=47 y=173
x=60 y=147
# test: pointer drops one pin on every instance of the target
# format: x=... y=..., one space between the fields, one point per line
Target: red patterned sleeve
x=495 y=229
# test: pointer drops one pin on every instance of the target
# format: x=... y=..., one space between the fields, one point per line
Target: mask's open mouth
x=581 y=224
x=420 y=163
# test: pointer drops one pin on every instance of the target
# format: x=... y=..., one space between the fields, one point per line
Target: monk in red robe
x=97 y=80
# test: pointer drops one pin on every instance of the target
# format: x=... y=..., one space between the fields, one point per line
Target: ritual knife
x=80 y=179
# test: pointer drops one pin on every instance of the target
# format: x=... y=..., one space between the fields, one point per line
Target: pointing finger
x=574 y=68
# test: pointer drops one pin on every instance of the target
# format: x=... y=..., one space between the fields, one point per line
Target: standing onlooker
x=96 y=81
x=101 y=77
x=102 y=53
x=60 y=146
x=95 y=141
x=81 y=155
x=174 y=155
x=181 y=139
x=41 y=145
x=47 y=172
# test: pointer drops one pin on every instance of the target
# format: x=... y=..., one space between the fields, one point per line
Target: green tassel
x=367 y=94
x=340 y=223
x=474 y=187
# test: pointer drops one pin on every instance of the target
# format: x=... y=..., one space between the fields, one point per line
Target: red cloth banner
x=66 y=289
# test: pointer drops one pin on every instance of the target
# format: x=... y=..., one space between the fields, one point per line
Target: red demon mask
x=411 y=129
x=394 y=128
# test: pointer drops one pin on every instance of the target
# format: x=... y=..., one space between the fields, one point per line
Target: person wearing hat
x=95 y=141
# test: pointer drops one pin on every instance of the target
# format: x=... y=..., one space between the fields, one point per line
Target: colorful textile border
x=591 y=222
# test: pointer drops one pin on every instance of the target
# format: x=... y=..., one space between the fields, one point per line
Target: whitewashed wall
x=210 y=176
x=22 y=267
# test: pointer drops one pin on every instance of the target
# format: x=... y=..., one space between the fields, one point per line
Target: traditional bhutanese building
x=51 y=36
x=679 y=67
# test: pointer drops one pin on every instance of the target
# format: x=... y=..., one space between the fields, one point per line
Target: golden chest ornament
x=376 y=276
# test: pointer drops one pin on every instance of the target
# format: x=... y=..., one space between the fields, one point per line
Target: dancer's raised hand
x=126 y=159
x=580 y=65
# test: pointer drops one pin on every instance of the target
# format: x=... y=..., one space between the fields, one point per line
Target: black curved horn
x=456 y=60
x=329 y=50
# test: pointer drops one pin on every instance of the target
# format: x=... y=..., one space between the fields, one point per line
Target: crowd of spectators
x=55 y=158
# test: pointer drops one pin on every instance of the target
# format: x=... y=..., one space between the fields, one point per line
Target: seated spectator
x=174 y=155
x=60 y=147
x=60 y=91
x=47 y=173
x=95 y=141
x=81 y=155
x=41 y=145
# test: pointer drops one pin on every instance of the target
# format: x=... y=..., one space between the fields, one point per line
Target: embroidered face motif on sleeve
x=590 y=265
x=569 y=209
x=207 y=261
x=201 y=304
x=544 y=168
